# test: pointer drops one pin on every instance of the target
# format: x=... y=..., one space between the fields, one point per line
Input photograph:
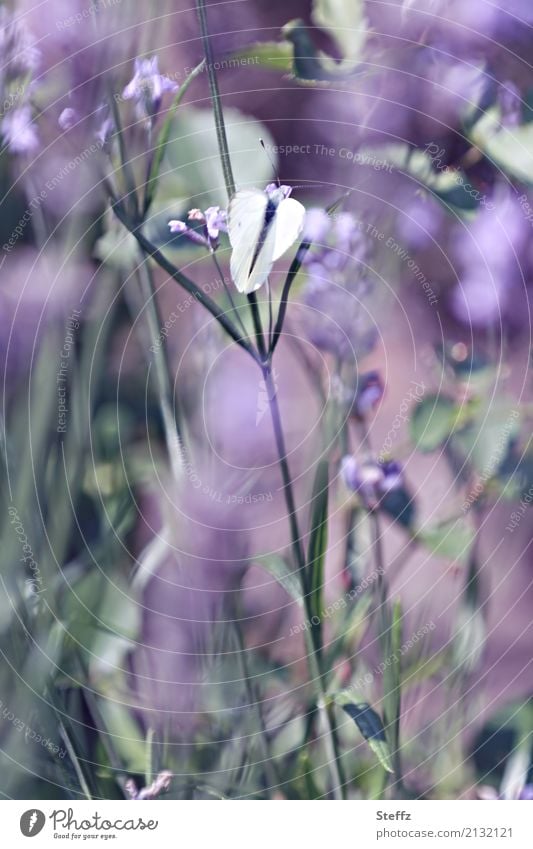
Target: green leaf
x=273 y=55
x=450 y=186
x=346 y=24
x=486 y=442
x=370 y=725
x=432 y=422
x=392 y=678
x=124 y=734
x=312 y=65
x=451 y=539
x=318 y=541
x=284 y=575
x=509 y=148
x=192 y=154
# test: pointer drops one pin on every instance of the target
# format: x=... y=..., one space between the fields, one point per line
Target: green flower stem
x=154 y=253
x=294 y=268
x=316 y=671
x=284 y=301
x=125 y=164
x=215 y=98
x=223 y=147
x=162 y=370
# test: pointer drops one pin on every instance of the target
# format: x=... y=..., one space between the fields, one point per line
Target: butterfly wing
x=281 y=233
x=256 y=247
x=246 y=222
x=288 y=225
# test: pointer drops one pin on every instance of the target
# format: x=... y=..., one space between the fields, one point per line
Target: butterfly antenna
x=274 y=167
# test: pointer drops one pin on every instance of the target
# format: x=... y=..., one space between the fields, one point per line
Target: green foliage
x=193 y=161
x=347 y=25
x=508 y=148
x=318 y=542
x=451 y=539
x=432 y=422
x=450 y=186
x=369 y=724
x=284 y=575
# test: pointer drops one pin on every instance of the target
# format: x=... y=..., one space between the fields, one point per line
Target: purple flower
x=527 y=792
x=316 y=225
x=147 y=87
x=488 y=252
x=335 y=319
x=371 y=480
x=105 y=132
x=363 y=479
x=392 y=477
x=20 y=57
x=213 y=221
x=279 y=192
x=350 y=472
x=368 y=394
x=18 y=131
x=68 y=118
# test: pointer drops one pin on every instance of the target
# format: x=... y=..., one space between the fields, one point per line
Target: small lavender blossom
x=213 y=221
x=18 y=131
x=489 y=251
x=392 y=477
x=368 y=394
x=68 y=118
x=105 y=132
x=379 y=484
x=316 y=225
x=273 y=190
x=147 y=88
x=363 y=479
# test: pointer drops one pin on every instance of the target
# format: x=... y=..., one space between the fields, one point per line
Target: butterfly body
x=261 y=227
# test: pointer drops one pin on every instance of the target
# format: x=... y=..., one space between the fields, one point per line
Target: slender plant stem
x=223 y=147
x=125 y=165
x=162 y=371
x=228 y=293
x=313 y=659
x=190 y=287
x=258 y=327
x=284 y=301
x=215 y=98
x=279 y=436
x=265 y=357
x=271 y=774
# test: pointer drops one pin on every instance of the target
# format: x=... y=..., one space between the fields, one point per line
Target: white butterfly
x=261 y=227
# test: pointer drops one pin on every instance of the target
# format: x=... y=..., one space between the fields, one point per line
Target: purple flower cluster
x=487 y=252
x=204 y=227
x=371 y=480
x=147 y=87
x=20 y=59
x=336 y=319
